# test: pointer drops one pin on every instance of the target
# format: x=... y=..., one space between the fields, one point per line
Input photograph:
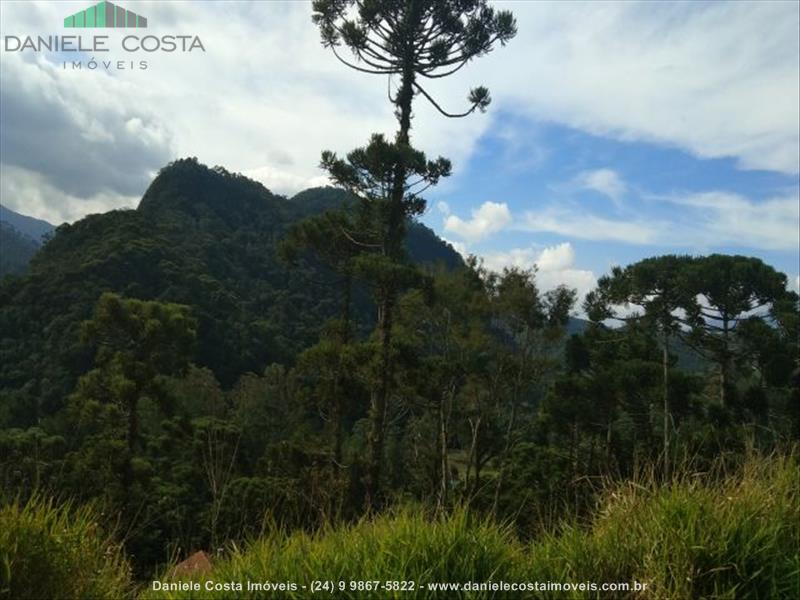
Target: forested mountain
x=20 y=238
x=16 y=250
x=33 y=228
x=201 y=237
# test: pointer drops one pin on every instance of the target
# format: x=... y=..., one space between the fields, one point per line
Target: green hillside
x=201 y=237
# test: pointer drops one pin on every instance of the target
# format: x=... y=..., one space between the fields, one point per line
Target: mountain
x=16 y=250
x=34 y=229
x=200 y=236
x=20 y=238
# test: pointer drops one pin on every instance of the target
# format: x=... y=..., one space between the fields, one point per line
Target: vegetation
x=726 y=535
x=50 y=550
x=413 y=41
x=223 y=368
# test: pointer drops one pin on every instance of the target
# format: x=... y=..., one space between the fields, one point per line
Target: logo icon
x=105 y=14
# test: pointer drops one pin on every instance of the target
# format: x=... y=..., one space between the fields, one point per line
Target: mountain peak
x=190 y=187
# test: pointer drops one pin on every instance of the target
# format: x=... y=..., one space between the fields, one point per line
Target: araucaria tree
x=417 y=41
x=657 y=289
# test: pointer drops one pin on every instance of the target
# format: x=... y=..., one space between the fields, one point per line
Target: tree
x=659 y=288
x=447 y=331
x=415 y=40
x=332 y=237
x=731 y=290
x=138 y=343
x=531 y=322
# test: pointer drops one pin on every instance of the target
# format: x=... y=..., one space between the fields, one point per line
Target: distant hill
x=200 y=236
x=35 y=229
x=20 y=238
x=16 y=250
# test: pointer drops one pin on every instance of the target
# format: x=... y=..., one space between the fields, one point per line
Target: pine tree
x=416 y=40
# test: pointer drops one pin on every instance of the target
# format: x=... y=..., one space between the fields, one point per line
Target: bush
x=49 y=551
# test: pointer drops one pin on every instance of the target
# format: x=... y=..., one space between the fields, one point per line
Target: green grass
x=705 y=536
x=405 y=546
x=49 y=551
x=713 y=535
x=738 y=537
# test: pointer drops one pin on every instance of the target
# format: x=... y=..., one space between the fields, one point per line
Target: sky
x=617 y=131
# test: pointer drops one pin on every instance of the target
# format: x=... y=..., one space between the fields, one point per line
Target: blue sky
x=581 y=176
x=617 y=131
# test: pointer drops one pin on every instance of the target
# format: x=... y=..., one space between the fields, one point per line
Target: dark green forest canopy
x=202 y=237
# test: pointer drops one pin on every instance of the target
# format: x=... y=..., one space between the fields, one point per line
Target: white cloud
x=605 y=181
x=523 y=258
x=265 y=97
x=29 y=193
x=285 y=182
x=721 y=218
x=582 y=225
x=700 y=76
x=698 y=221
x=490 y=218
x=555 y=266
x=556 y=258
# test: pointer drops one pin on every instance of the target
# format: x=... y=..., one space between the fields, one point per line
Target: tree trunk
x=392 y=248
x=338 y=401
x=506 y=452
x=445 y=407
x=510 y=429
x=724 y=366
x=442 y=501
x=470 y=485
x=665 y=365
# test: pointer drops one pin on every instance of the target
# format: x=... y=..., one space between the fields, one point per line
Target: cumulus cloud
x=489 y=218
x=556 y=265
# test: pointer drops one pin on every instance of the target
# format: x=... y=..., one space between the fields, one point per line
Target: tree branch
x=440 y=109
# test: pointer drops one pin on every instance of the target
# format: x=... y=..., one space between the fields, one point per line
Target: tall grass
x=404 y=546
x=714 y=535
x=50 y=551
x=719 y=535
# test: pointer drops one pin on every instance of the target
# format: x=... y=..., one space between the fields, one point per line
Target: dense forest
x=318 y=387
